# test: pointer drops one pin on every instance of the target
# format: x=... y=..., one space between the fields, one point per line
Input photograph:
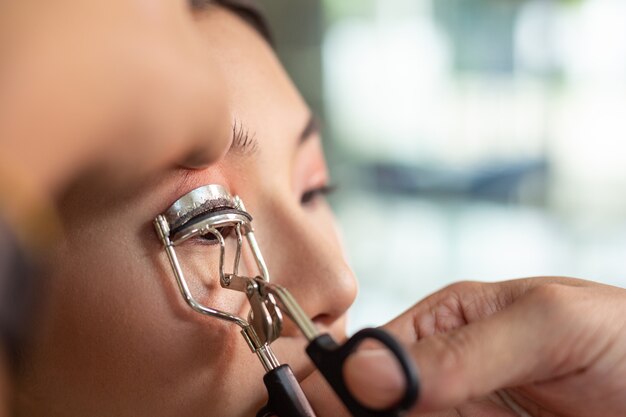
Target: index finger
x=462 y=303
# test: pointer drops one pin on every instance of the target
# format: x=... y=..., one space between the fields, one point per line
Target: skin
x=116 y=337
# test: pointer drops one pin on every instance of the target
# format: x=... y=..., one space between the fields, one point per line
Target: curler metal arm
x=290 y=306
x=249 y=330
x=206 y=211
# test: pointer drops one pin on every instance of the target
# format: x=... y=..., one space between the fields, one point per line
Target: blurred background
x=470 y=139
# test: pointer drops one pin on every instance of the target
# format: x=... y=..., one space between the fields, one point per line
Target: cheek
x=125 y=311
x=119 y=331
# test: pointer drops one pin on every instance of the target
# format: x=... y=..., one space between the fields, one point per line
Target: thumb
x=375 y=378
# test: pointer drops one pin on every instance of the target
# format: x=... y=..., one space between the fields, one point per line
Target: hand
x=124 y=86
x=540 y=346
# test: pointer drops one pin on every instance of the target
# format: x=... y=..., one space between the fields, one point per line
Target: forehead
x=260 y=93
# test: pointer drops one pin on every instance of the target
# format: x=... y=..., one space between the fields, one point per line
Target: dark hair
x=245 y=9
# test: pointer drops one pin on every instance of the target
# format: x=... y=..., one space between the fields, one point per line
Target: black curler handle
x=285 y=396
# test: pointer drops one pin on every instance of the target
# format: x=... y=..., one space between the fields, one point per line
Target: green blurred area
x=474 y=139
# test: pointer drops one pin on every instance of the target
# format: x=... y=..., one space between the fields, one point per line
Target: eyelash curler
x=211 y=211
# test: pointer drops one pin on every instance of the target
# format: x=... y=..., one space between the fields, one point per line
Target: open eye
x=309 y=196
x=212 y=239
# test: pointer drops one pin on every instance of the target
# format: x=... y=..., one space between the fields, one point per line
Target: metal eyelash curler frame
x=209 y=210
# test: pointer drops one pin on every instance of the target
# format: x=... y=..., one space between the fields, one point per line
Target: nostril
x=326 y=323
x=323 y=321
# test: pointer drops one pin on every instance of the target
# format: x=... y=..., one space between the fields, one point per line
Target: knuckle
x=553 y=298
x=473 y=300
x=550 y=293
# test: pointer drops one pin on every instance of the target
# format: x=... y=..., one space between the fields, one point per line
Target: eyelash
x=309 y=196
x=243 y=140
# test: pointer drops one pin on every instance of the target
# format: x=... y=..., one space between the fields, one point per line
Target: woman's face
x=117 y=339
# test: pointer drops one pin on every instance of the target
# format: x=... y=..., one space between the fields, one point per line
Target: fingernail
x=375 y=378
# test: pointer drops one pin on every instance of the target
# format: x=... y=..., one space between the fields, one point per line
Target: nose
x=304 y=255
